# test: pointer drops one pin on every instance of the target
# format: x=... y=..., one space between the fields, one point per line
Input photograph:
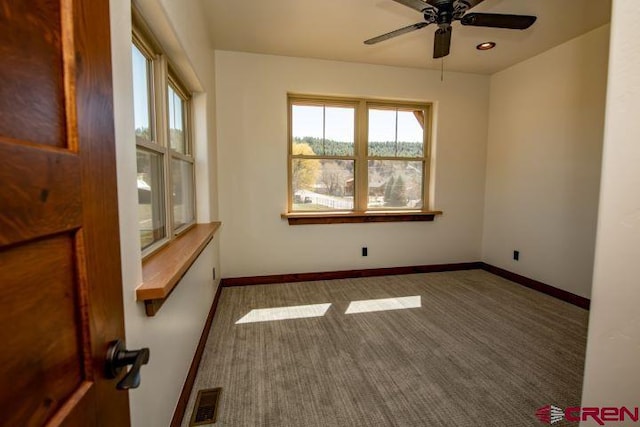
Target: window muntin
x=322 y=150
x=328 y=130
x=396 y=140
x=383 y=167
x=177 y=134
x=166 y=181
x=142 y=98
x=182 y=195
x=182 y=162
x=395 y=132
x=151 y=210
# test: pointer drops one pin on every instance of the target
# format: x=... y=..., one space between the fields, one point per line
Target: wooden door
x=60 y=283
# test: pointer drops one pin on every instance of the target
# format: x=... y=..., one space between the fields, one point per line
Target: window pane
x=396 y=133
x=141 y=98
x=307 y=126
x=410 y=133
x=328 y=131
x=182 y=182
x=151 y=210
x=176 y=122
x=325 y=184
x=395 y=184
x=382 y=132
x=339 y=130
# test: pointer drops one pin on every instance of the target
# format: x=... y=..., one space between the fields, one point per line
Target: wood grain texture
x=152 y=306
x=479 y=351
x=42 y=368
x=32 y=104
x=187 y=388
x=96 y=142
x=345 y=274
x=75 y=410
x=61 y=289
x=42 y=203
x=561 y=294
x=164 y=269
x=299 y=218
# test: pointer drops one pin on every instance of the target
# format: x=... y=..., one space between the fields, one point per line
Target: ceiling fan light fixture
x=444 y=12
x=486 y=46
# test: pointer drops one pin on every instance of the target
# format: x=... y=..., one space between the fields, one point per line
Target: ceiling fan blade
x=442 y=42
x=418 y=5
x=495 y=20
x=396 y=33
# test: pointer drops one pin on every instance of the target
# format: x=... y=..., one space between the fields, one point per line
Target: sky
x=334 y=123
x=140 y=91
x=141 y=95
x=339 y=124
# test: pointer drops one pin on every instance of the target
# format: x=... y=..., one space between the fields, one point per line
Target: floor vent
x=206 y=404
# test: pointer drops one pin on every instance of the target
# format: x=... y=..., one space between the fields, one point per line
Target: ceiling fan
x=444 y=12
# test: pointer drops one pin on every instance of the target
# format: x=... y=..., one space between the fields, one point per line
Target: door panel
x=42 y=203
x=31 y=52
x=45 y=366
x=60 y=283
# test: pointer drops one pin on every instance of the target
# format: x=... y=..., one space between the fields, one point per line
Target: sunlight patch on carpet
x=384 y=304
x=285 y=313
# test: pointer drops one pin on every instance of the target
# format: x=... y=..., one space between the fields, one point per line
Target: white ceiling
x=335 y=29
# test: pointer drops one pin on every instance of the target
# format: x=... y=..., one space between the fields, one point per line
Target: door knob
x=118 y=357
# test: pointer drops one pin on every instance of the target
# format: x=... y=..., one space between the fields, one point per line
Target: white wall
x=546 y=125
x=252 y=137
x=173 y=334
x=613 y=348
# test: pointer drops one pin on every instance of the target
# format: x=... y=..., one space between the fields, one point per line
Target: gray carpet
x=479 y=351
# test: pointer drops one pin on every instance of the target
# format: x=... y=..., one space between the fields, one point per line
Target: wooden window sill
x=162 y=271
x=303 y=218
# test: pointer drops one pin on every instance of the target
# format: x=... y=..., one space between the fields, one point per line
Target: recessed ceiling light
x=486 y=46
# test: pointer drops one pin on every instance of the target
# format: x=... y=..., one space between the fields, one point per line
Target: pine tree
x=397 y=193
x=387 y=191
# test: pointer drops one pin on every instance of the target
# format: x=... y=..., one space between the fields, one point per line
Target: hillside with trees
x=392 y=183
x=330 y=147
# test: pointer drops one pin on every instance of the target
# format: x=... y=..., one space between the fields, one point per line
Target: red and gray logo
x=550 y=414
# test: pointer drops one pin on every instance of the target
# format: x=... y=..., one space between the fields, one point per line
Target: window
x=166 y=188
x=357 y=155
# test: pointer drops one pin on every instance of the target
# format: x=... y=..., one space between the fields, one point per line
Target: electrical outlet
x=364 y=251
x=516 y=255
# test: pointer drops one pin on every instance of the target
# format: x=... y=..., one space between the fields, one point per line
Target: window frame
x=187 y=156
x=163 y=75
x=361 y=156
